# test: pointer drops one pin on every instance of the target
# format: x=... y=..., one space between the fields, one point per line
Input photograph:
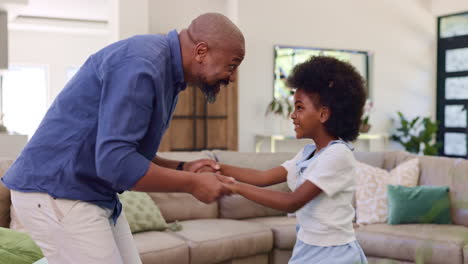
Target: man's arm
x=192 y=166
x=206 y=187
x=166 y=163
x=285 y=201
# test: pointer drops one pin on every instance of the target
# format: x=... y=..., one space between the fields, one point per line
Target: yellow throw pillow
x=141 y=212
x=371 y=191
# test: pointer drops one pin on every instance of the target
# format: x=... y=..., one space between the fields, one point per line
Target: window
x=24 y=99
x=452 y=84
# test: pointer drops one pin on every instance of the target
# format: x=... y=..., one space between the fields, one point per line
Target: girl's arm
x=255 y=177
x=285 y=201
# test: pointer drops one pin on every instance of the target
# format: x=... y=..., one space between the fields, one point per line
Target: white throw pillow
x=371 y=191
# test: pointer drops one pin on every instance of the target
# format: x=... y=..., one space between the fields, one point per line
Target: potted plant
x=3 y=129
x=282 y=107
x=365 y=126
x=417 y=135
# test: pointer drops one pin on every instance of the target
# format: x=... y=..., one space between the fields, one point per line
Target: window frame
x=444 y=44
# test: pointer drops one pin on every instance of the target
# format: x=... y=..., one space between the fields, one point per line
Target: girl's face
x=308 y=118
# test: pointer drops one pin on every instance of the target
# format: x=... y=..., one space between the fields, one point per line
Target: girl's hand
x=230 y=184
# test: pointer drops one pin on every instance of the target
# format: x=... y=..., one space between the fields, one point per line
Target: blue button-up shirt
x=103 y=129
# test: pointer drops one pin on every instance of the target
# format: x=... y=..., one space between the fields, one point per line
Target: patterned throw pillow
x=141 y=212
x=371 y=192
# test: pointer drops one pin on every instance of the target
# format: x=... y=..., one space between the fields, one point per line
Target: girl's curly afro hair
x=337 y=85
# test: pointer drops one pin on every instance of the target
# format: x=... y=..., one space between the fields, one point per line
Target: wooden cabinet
x=197 y=125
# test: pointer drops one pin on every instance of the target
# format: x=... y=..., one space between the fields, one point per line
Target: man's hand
x=202 y=165
x=207 y=187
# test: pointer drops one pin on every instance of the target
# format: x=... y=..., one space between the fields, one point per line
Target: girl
x=328 y=103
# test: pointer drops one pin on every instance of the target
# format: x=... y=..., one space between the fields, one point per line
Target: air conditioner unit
x=3 y=40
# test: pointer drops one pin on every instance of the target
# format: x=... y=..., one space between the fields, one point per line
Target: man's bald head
x=216 y=30
x=212 y=49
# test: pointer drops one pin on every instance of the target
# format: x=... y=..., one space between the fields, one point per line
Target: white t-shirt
x=327 y=219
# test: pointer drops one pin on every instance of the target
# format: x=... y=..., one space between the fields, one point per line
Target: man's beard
x=211 y=91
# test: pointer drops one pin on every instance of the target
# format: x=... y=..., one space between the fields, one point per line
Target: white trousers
x=70 y=231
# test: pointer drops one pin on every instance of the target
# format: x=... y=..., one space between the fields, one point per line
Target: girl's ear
x=324 y=114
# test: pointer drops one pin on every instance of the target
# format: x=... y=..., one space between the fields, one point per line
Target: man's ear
x=324 y=114
x=201 y=49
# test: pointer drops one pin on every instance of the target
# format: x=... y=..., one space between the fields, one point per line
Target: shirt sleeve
x=290 y=166
x=125 y=110
x=333 y=170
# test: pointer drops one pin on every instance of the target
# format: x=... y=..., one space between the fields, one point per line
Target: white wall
x=400 y=34
x=447 y=7
x=177 y=14
x=57 y=50
x=128 y=18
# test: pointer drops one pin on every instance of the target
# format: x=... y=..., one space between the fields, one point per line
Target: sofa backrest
x=5 y=201
x=238 y=207
x=183 y=206
x=441 y=171
x=375 y=159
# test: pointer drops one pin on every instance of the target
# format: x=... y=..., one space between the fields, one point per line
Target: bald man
x=101 y=135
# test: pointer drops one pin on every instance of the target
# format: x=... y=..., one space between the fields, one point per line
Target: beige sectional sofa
x=235 y=230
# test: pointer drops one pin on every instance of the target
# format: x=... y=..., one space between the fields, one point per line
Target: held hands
x=208 y=187
x=210 y=184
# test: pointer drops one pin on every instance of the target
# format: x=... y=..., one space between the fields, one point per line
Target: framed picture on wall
x=286 y=57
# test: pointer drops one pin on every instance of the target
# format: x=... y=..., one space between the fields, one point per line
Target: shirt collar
x=310 y=148
x=176 y=60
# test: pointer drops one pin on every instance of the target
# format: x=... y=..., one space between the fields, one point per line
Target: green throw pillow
x=141 y=212
x=17 y=247
x=420 y=204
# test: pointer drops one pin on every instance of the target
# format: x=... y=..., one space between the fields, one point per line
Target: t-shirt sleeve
x=290 y=165
x=333 y=171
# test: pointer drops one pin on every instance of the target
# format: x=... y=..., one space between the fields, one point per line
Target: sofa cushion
x=161 y=248
x=5 y=201
x=371 y=191
x=18 y=247
x=373 y=260
x=440 y=171
x=259 y=161
x=420 y=204
x=395 y=158
x=280 y=256
x=186 y=155
x=458 y=194
x=238 y=207
x=465 y=254
x=432 y=243
x=375 y=159
x=183 y=206
x=283 y=227
x=257 y=259
x=141 y=212
x=229 y=205
x=217 y=240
